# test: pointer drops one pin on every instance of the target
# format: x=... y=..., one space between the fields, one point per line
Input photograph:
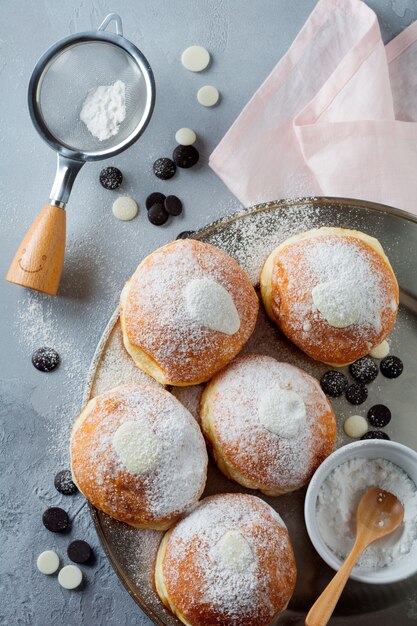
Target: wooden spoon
x=379 y=513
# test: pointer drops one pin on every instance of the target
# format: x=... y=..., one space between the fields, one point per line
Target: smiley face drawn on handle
x=44 y=257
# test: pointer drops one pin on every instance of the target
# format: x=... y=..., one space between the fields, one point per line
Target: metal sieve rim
x=41 y=68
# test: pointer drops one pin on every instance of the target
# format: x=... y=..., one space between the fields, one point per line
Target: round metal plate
x=249 y=237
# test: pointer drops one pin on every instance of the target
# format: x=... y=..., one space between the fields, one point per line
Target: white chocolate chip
x=185 y=136
x=137 y=447
x=355 y=426
x=380 y=351
x=48 y=562
x=70 y=577
x=125 y=208
x=195 y=58
x=208 y=95
x=234 y=551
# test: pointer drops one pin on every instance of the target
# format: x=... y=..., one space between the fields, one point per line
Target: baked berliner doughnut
x=332 y=292
x=186 y=312
x=138 y=455
x=269 y=423
x=229 y=562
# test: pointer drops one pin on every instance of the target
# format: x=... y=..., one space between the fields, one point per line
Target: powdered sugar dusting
x=116 y=367
x=253 y=589
x=190 y=398
x=264 y=233
x=136 y=549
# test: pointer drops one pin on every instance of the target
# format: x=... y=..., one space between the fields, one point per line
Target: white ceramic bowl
x=370 y=449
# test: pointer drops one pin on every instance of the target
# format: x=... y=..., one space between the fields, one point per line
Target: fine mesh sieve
x=59 y=85
x=77 y=70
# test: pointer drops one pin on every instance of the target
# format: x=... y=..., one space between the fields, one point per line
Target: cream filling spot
x=137 y=447
x=338 y=302
x=282 y=412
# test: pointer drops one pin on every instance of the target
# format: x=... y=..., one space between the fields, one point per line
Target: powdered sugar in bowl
x=331 y=501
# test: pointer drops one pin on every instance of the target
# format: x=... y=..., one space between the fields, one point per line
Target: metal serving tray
x=249 y=237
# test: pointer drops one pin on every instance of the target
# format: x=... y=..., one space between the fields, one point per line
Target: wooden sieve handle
x=39 y=259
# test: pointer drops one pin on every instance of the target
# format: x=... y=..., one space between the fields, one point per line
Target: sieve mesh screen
x=68 y=78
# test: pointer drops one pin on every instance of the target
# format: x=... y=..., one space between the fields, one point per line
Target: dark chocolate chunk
x=375 y=434
x=155 y=198
x=111 y=178
x=391 y=367
x=185 y=234
x=55 y=519
x=379 y=415
x=365 y=370
x=79 y=551
x=45 y=359
x=157 y=214
x=64 y=484
x=356 y=393
x=164 y=168
x=185 y=156
x=333 y=383
x=173 y=205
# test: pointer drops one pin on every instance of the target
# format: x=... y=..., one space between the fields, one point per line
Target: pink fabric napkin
x=337 y=116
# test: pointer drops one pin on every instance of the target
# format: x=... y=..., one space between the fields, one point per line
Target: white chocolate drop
x=185 y=136
x=125 y=208
x=70 y=577
x=137 y=447
x=355 y=426
x=211 y=305
x=282 y=412
x=195 y=58
x=338 y=302
x=380 y=351
x=234 y=552
x=48 y=562
x=208 y=95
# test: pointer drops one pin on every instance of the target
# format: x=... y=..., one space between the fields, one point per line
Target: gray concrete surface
x=246 y=39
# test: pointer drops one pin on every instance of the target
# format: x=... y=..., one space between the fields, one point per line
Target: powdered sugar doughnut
x=138 y=455
x=229 y=562
x=269 y=423
x=332 y=292
x=186 y=312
